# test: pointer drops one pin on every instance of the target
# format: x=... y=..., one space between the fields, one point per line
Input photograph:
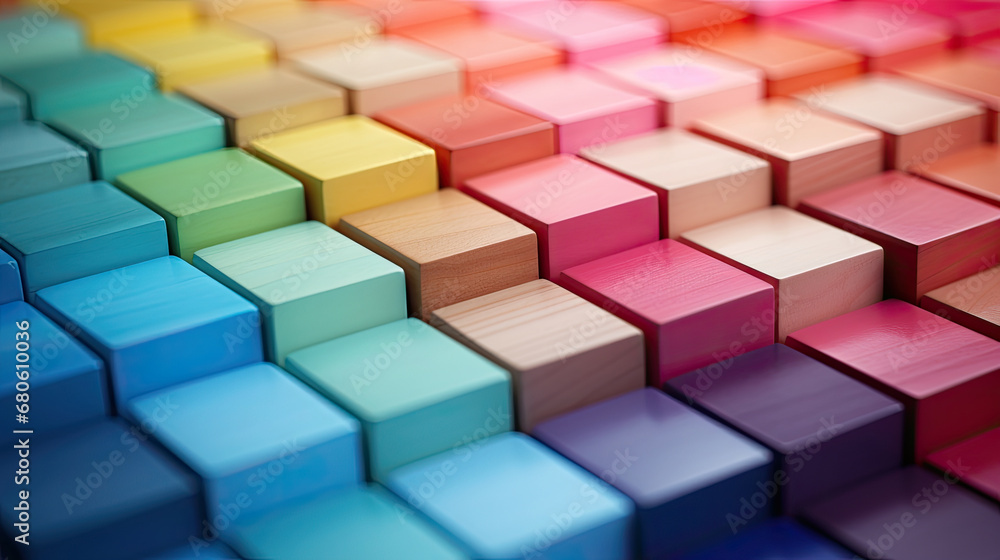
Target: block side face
x=395 y=181
x=937 y=427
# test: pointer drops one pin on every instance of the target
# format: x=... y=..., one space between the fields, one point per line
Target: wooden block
x=762 y=9
x=472 y=136
x=931 y=236
x=29 y=44
x=384 y=73
x=817 y=270
x=687 y=324
x=827 y=431
x=918 y=123
x=781 y=538
x=404 y=15
x=972 y=23
x=213 y=9
x=451 y=247
x=931 y=365
x=563 y=199
x=974 y=171
x=36 y=160
x=294 y=28
x=989 y=49
x=596 y=114
x=808 y=152
x=694 y=21
x=10 y=279
x=310 y=283
x=563 y=352
x=697 y=181
x=213 y=550
x=973 y=302
x=350 y=164
x=673 y=462
x=13 y=105
x=107 y=21
x=404 y=378
x=687 y=88
x=980 y=456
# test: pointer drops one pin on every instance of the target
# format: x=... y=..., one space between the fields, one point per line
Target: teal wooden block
x=36 y=35
x=416 y=391
x=156 y=129
x=35 y=159
x=13 y=105
x=310 y=283
x=10 y=279
x=89 y=78
x=78 y=231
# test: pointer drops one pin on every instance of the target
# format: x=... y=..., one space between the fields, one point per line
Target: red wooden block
x=976 y=460
x=946 y=376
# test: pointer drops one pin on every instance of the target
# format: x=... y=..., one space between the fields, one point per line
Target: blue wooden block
x=35 y=159
x=196 y=547
x=778 y=539
x=257 y=436
x=510 y=497
x=78 y=231
x=156 y=324
x=154 y=129
x=101 y=491
x=36 y=35
x=10 y=280
x=13 y=105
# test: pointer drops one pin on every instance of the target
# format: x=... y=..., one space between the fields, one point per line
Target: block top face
x=920 y=212
x=780 y=56
x=78 y=74
x=481 y=46
x=780 y=242
x=589 y=25
x=180 y=49
x=584 y=188
x=29 y=143
x=878 y=341
x=681 y=450
x=261 y=263
x=968 y=74
x=58 y=38
x=340 y=147
x=770 y=129
x=253 y=93
x=784 y=398
x=151 y=299
x=980 y=455
x=294 y=26
x=640 y=279
x=975 y=170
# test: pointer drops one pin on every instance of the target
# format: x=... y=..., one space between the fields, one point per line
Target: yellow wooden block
x=224 y=9
x=106 y=21
x=349 y=164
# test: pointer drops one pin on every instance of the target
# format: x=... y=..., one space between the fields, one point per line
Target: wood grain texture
x=975 y=171
x=562 y=351
x=451 y=247
x=293 y=28
x=973 y=302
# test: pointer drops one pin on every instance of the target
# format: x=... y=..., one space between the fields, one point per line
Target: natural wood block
x=349 y=164
x=596 y=113
x=262 y=103
x=451 y=247
x=817 y=270
x=975 y=171
x=918 y=123
x=293 y=28
x=692 y=309
x=931 y=365
x=808 y=152
x=564 y=200
x=37 y=159
x=697 y=181
x=980 y=456
x=384 y=73
x=931 y=235
x=471 y=135
x=404 y=15
x=107 y=21
x=694 y=21
x=973 y=302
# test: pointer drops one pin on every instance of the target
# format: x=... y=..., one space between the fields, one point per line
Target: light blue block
x=35 y=159
x=35 y=35
x=510 y=497
x=257 y=436
x=155 y=129
x=156 y=324
x=10 y=279
x=78 y=231
x=196 y=548
x=13 y=105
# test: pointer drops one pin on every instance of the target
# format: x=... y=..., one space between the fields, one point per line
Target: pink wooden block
x=979 y=459
x=585 y=110
x=989 y=49
x=973 y=22
x=769 y=8
x=694 y=310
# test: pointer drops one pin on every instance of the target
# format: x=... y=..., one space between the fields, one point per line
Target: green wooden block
x=310 y=283
x=35 y=35
x=216 y=197
x=416 y=391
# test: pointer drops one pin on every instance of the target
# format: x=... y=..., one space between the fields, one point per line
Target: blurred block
x=931 y=235
x=596 y=113
x=310 y=283
x=108 y=21
x=350 y=164
x=451 y=247
x=404 y=15
x=471 y=135
x=384 y=73
x=975 y=171
x=697 y=181
x=817 y=270
x=13 y=105
x=989 y=49
x=692 y=309
x=808 y=152
x=919 y=124
x=911 y=514
x=980 y=455
x=972 y=22
x=564 y=199
x=973 y=302
x=135 y=318
x=415 y=391
x=693 y=21
x=686 y=474
x=540 y=503
x=213 y=9
x=934 y=367
x=293 y=28
x=768 y=8
x=154 y=129
x=199 y=549
x=827 y=431
x=778 y=539
x=257 y=436
x=34 y=160
x=562 y=351
x=10 y=280
x=216 y=197
x=36 y=36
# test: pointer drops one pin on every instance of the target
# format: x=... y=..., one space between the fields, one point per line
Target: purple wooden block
x=827 y=430
x=911 y=514
x=688 y=475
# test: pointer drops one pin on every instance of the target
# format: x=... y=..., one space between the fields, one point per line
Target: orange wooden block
x=975 y=171
x=299 y=27
x=400 y=15
x=694 y=21
x=973 y=302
